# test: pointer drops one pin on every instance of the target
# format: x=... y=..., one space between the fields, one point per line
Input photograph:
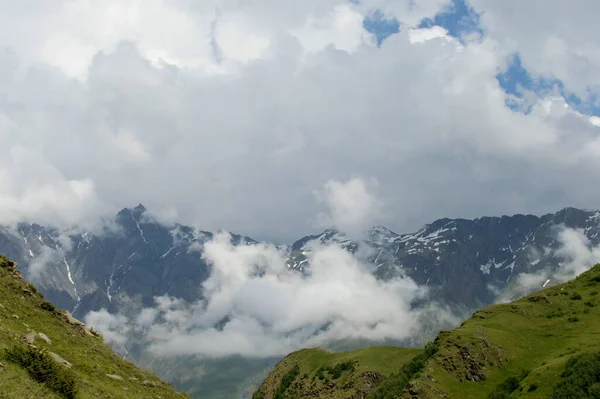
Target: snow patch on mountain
x=138 y=227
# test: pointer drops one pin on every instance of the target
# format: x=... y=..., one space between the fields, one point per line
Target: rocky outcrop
x=44 y=338
x=60 y=360
x=29 y=338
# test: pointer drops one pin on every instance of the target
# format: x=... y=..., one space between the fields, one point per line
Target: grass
x=43 y=369
x=286 y=381
x=515 y=350
x=392 y=386
x=581 y=378
x=322 y=374
x=381 y=359
x=22 y=310
x=539 y=333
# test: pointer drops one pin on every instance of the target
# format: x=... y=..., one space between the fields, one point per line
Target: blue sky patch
x=458 y=19
x=380 y=26
x=517 y=79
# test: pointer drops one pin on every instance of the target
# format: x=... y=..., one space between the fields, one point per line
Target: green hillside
x=546 y=345
x=46 y=353
x=316 y=373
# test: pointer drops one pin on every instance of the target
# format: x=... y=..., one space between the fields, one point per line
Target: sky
x=260 y=118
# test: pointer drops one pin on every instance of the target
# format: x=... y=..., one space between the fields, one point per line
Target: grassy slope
x=91 y=359
x=536 y=335
x=371 y=364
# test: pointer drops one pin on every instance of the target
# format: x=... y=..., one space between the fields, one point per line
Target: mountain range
x=465 y=264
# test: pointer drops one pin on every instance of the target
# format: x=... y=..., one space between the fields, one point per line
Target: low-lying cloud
x=576 y=255
x=255 y=306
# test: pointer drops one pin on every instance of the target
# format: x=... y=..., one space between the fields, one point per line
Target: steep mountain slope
x=518 y=349
x=27 y=322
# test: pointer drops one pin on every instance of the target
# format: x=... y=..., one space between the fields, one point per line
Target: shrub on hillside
x=7 y=263
x=42 y=368
x=508 y=386
x=581 y=378
x=337 y=370
x=286 y=381
x=32 y=288
x=395 y=383
x=48 y=306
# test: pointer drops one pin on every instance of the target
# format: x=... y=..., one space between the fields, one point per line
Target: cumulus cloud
x=567 y=51
x=40 y=263
x=230 y=116
x=114 y=328
x=576 y=256
x=351 y=206
x=254 y=306
x=577 y=253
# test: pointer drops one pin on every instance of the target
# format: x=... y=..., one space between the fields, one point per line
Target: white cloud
x=424 y=34
x=342 y=28
x=255 y=306
x=41 y=262
x=134 y=149
x=114 y=328
x=352 y=208
x=577 y=256
x=561 y=41
x=240 y=141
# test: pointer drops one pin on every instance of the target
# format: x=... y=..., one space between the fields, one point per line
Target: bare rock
x=70 y=319
x=149 y=383
x=115 y=377
x=44 y=338
x=29 y=338
x=15 y=316
x=60 y=360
